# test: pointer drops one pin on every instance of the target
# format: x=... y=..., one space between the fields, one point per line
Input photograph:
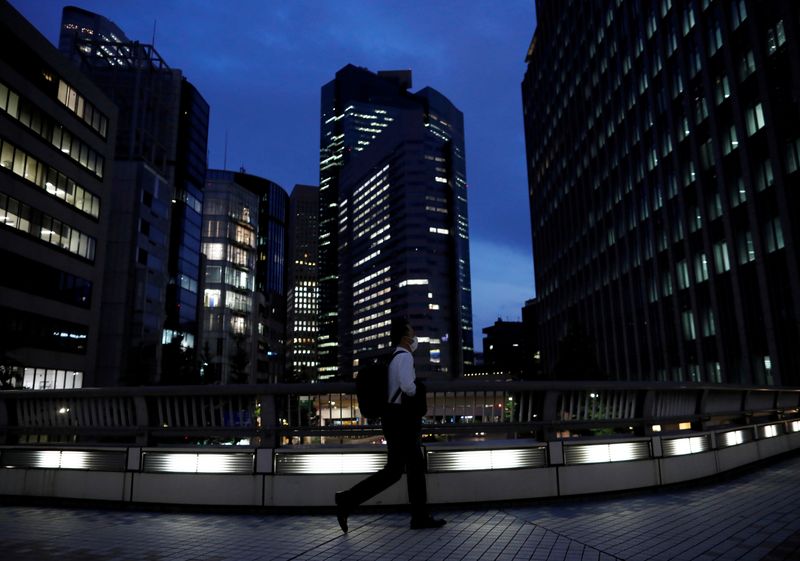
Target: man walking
x=402 y=428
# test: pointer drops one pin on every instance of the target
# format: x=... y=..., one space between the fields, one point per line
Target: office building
x=302 y=297
x=505 y=347
x=663 y=144
x=271 y=271
x=230 y=302
x=244 y=298
x=393 y=223
x=149 y=323
x=57 y=132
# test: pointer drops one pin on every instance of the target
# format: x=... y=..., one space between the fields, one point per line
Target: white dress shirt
x=402 y=374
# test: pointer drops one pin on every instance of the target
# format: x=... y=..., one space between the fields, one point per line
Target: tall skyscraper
x=230 y=302
x=302 y=298
x=393 y=223
x=150 y=303
x=57 y=133
x=271 y=271
x=663 y=143
x=244 y=322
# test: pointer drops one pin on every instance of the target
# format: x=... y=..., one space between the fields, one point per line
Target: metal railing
x=284 y=414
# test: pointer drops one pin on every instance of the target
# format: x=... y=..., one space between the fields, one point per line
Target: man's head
x=403 y=334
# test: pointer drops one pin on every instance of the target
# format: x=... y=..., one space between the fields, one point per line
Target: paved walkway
x=752 y=516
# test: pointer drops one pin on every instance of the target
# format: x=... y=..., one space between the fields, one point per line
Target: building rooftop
x=747 y=515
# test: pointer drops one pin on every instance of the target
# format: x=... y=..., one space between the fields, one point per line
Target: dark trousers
x=402 y=431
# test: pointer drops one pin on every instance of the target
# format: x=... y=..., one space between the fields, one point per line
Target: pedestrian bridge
x=293 y=445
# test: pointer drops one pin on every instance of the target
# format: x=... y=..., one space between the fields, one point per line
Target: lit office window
x=701 y=267
x=48 y=178
x=16 y=214
x=721 y=259
x=764 y=175
x=211 y=298
x=238 y=325
x=82 y=108
x=776 y=36
x=773 y=235
x=687 y=321
x=745 y=247
x=722 y=89
x=214 y=251
x=682 y=272
x=738 y=192
x=754 y=119
x=738 y=13
x=730 y=140
x=747 y=65
x=793 y=156
x=708 y=324
x=714 y=207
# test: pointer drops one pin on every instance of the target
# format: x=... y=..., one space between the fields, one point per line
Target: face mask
x=414 y=344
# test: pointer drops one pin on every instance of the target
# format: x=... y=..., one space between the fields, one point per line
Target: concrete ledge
x=773 y=446
x=685 y=468
x=496 y=485
x=266 y=488
x=599 y=478
x=198 y=489
x=65 y=484
x=736 y=456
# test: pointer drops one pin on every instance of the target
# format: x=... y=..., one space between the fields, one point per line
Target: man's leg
x=378 y=481
x=415 y=470
x=415 y=473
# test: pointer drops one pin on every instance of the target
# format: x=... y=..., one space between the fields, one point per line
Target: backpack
x=372 y=386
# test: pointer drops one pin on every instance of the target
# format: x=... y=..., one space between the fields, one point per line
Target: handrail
x=279 y=414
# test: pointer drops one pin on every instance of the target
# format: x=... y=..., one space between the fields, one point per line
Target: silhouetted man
x=402 y=427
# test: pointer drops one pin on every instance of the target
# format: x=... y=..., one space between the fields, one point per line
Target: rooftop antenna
x=154 y=33
x=225 y=154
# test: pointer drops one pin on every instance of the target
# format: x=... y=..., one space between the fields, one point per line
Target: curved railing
x=291 y=444
x=282 y=414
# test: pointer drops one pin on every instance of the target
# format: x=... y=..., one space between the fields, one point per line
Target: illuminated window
x=745 y=247
x=211 y=298
x=214 y=251
x=754 y=118
x=721 y=259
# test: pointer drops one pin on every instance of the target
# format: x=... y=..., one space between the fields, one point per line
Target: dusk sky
x=260 y=64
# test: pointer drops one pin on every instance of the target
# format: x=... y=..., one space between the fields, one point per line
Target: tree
x=239 y=360
x=179 y=364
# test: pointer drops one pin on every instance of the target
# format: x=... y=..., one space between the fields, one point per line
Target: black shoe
x=427 y=522
x=341 y=510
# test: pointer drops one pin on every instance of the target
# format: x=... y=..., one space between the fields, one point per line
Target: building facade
x=393 y=206
x=302 y=297
x=662 y=145
x=271 y=271
x=230 y=318
x=57 y=132
x=505 y=348
x=244 y=298
x=151 y=298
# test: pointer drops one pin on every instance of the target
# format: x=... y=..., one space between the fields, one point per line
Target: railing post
x=648 y=411
x=269 y=421
x=702 y=409
x=3 y=421
x=142 y=420
x=550 y=414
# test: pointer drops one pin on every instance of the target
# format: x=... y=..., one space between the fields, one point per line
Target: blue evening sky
x=260 y=64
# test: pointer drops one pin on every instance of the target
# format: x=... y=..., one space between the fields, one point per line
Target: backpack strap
x=399 y=390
